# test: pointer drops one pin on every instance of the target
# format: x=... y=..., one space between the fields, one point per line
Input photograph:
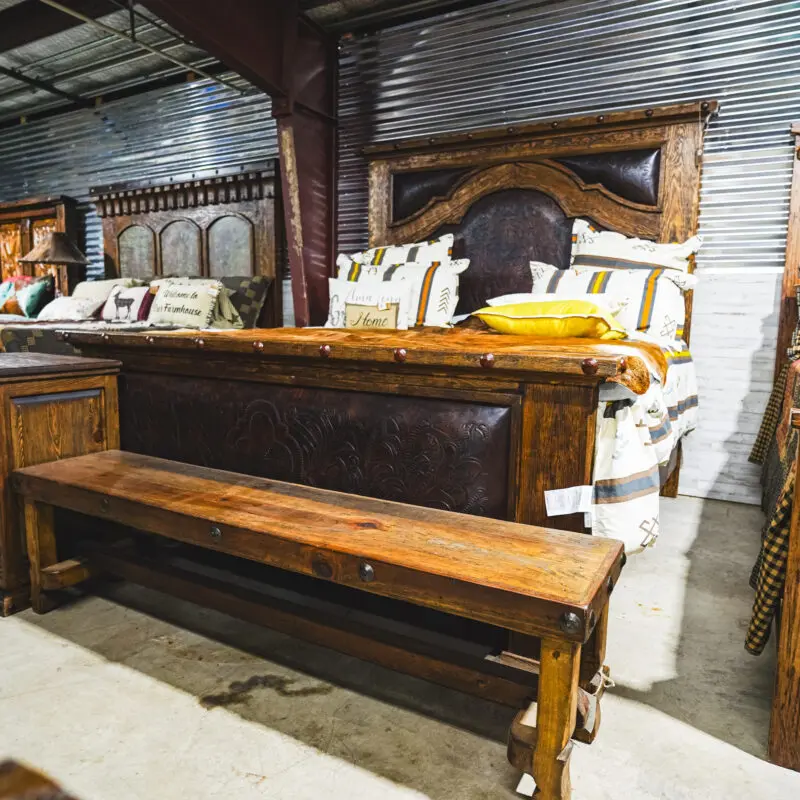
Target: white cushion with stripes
x=435 y=251
x=434 y=288
x=596 y=249
x=652 y=301
x=379 y=294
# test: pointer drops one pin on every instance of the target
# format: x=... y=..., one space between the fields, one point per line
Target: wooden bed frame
x=213 y=224
x=510 y=195
x=460 y=420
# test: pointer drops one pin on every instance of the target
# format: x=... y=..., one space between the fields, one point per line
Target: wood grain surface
x=784 y=731
x=43 y=418
x=627 y=363
x=519 y=577
x=787 y=319
x=19 y=365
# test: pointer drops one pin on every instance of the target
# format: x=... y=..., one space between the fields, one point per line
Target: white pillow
x=124 y=305
x=434 y=289
x=100 y=290
x=435 y=251
x=611 y=304
x=592 y=248
x=373 y=305
x=70 y=309
x=225 y=314
x=656 y=305
x=186 y=305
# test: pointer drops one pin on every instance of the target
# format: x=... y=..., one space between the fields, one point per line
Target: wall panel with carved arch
x=204 y=224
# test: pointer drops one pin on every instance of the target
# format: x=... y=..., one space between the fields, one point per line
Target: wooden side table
x=51 y=407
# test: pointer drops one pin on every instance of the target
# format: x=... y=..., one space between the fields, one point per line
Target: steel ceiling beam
x=45 y=86
x=97 y=102
x=60 y=6
x=28 y=21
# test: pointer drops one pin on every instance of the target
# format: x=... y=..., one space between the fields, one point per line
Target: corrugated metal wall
x=155 y=135
x=518 y=60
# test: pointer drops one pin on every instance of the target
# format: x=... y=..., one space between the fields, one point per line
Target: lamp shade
x=55 y=249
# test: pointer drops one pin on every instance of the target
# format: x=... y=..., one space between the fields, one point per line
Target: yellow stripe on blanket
x=648 y=300
x=678 y=356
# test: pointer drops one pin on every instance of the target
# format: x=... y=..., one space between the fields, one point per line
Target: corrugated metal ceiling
x=89 y=62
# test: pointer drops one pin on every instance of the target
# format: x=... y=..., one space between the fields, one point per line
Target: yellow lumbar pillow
x=553 y=318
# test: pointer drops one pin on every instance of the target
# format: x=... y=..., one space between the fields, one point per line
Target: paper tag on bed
x=574 y=500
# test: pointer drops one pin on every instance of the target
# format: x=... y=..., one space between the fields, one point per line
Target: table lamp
x=57 y=250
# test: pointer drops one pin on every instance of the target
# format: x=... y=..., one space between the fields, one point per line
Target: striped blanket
x=635 y=437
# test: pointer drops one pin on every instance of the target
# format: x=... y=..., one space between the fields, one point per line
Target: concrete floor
x=146 y=697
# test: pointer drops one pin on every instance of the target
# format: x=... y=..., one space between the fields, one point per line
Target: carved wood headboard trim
x=208 y=223
x=547 y=158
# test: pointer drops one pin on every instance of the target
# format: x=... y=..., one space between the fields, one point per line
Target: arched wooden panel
x=230 y=247
x=181 y=249
x=137 y=252
x=574 y=197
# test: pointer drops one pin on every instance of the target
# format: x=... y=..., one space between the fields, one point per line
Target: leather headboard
x=510 y=195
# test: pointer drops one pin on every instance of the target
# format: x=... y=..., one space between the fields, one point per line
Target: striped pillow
x=596 y=249
x=434 y=288
x=423 y=253
x=652 y=301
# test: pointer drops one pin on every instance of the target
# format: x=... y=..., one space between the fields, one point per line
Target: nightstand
x=51 y=407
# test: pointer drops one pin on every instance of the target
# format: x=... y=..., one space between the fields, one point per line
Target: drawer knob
x=325 y=350
x=400 y=354
x=366 y=572
x=487 y=360
x=216 y=533
x=104 y=504
x=321 y=568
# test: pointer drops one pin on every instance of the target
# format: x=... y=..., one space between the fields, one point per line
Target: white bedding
x=634 y=436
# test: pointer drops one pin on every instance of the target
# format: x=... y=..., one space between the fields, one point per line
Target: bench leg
x=555 y=718
x=594 y=676
x=41 y=540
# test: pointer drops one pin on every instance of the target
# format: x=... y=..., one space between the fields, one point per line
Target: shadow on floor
x=718 y=687
x=374 y=718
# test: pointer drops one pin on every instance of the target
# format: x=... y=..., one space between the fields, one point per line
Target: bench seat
x=534 y=581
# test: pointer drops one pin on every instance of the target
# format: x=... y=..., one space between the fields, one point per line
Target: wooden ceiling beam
x=30 y=20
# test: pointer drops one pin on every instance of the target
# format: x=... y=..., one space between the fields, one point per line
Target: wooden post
x=555 y=719
x=787 y=320
x=784 y=729
x=41 y=540
x=280 y=50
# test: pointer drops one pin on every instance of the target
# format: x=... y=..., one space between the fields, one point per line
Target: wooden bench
x=549 y=584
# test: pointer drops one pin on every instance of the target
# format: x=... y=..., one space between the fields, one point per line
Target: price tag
x=573 y=500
